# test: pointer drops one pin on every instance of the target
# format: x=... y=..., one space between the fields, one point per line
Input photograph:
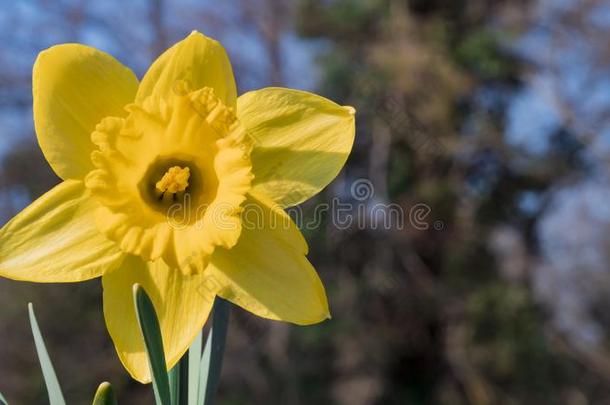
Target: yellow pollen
x=174 y=180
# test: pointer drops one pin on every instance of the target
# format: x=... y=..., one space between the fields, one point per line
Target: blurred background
x=485 y=123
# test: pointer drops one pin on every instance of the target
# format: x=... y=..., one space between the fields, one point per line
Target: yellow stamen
x=174 y=180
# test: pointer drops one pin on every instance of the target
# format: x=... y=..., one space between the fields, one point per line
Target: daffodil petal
x=74 y=87
x=267 y=272
x=182 y=303
x=301 y=141
x=55 y=239
x=197 y=60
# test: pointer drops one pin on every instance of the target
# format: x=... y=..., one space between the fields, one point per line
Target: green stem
x=211 y=361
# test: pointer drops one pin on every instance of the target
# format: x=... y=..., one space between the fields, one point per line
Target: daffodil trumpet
x=157 y=176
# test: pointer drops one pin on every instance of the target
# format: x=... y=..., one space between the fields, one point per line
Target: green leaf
x=204 y=369
x=174 y=384
x=151 y=332
x=3 y=401
x=104 y=395
x=178 y=380
x=50 y=379
x=194 y=365
x=211 y=361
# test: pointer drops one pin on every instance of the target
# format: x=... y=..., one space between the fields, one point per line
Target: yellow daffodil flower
x=159 y=181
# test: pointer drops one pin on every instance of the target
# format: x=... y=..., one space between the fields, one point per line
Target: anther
x=176 y=179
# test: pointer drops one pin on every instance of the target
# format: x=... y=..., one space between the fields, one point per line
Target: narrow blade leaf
x=174 y=384
x=104 y=395
x=204 y=369
x=178 y=381
x=3 y=401
x=151 y=332
x=211 y=361
x=54 y=390
x=194 y=365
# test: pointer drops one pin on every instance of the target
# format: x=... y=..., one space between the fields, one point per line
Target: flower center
x=174 y=180
x=177 y=180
